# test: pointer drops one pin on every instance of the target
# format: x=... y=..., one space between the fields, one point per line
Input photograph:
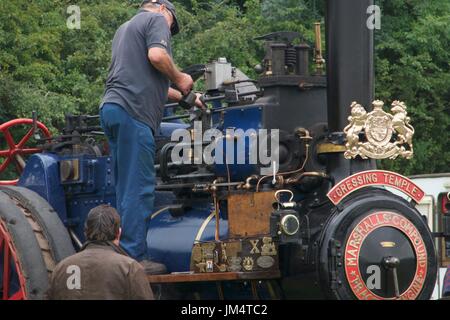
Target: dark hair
x=102 y=224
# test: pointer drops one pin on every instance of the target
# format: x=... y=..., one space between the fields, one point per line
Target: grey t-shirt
x=133 y=82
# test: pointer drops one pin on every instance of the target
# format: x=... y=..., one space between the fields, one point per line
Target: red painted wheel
x=15 y=152
x=12 y=280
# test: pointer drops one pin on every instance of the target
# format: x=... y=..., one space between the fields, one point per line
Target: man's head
x=167 y=9
x=103 y=224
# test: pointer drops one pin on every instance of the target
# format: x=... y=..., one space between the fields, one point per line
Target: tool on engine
x=196 y=114
x=188 y=100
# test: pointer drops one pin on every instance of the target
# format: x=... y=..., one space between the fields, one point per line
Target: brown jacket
x=99 y=272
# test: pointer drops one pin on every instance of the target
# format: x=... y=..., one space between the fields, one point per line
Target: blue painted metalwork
x=170 y=239
x=243 y=119
x=167 y=128
x=95 y=187
x=41 y=174
x=72 y=200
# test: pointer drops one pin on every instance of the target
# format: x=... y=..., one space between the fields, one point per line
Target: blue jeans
x=132 y=148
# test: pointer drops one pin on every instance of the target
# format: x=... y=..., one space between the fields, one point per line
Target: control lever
x=198 y=114
x=392 y=263
x=188 y=100
x=36 y=134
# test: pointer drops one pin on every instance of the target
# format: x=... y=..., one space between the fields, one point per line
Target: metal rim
x=12 y=274
x=283 y=220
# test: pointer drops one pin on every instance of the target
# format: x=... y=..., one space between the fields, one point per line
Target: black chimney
x=350 y=72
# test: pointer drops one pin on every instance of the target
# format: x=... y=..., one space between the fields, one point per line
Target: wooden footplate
x=213 y=276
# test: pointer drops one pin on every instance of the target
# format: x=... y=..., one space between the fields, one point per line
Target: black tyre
x=377 y=246
x=24 y=272
x=47 y=218
x=37 y=242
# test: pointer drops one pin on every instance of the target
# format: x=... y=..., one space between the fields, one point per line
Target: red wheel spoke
x=9 y=139
x=29 y=150
x=17 y=296
x=5 y=164
x=6 y=263
x=4 y=153
x=9 y=182
x=25 y=139
x=11 y=265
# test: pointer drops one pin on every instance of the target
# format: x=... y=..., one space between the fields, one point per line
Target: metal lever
x=36 y=134
x=391 y=263
x=188 y=101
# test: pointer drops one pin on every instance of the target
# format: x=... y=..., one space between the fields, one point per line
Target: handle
x=188 y=101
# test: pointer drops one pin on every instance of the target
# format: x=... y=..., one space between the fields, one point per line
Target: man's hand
x=198 y=102
x=184 y=83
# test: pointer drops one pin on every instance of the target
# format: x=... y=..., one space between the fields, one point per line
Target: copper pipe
x=318 y=58
x=247 y=184
x=288 y=172
x=216 y=208
x=296 y=179
x=304 y=135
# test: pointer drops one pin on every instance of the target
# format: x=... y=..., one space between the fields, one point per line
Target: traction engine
x=312 y=218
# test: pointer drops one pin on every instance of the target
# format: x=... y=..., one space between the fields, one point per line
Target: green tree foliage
x=47 y=67
x=413 y=65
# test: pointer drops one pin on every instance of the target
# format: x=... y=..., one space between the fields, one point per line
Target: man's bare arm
x=174 y=95
x=161 y=60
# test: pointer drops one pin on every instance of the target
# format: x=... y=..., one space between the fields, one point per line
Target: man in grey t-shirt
x=131 y=111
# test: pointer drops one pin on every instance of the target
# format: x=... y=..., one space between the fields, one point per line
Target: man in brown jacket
x=101 y=270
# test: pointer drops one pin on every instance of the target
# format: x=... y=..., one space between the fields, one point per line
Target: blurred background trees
x=45 y=66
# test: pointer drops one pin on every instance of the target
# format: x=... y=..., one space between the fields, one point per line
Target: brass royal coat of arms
x=378 y=134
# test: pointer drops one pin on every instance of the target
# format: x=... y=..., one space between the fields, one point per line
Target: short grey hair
x=149 y=4
x=102 y=224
